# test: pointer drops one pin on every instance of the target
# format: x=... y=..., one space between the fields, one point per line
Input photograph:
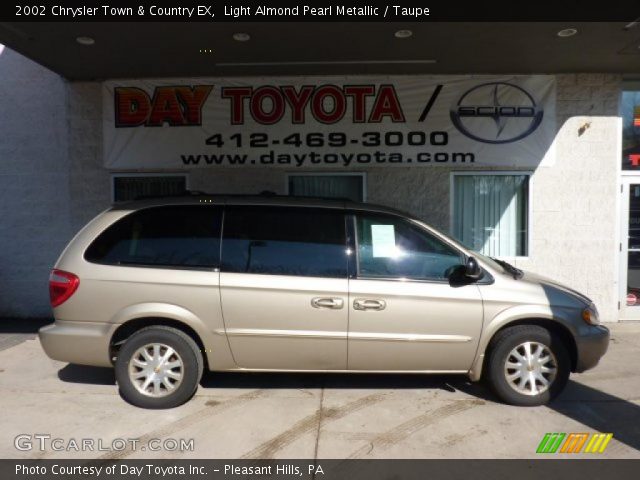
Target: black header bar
x=318 y=11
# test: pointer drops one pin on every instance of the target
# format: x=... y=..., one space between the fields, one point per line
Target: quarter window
x=175 y=236
x=284 y=241
x=392 y=247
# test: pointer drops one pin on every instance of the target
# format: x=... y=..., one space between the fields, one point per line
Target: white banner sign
x=337 y=122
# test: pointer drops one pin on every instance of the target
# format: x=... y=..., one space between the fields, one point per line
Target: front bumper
x=82 y=343
x=591 y=345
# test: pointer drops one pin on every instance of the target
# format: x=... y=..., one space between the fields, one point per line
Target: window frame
x=115 y=175
x=354 y=269
x=528 y=173
x=362 y=175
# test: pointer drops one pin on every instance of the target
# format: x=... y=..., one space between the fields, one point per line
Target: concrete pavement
x=314 y=416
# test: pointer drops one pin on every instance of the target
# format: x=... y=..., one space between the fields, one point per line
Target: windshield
x=491 y=261
x=447 y=237
x=508 y=268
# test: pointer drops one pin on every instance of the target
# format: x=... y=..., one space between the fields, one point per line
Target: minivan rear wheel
x=527 y=365
x=158 y=367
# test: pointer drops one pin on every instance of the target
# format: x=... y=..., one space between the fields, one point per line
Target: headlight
x=590 y=315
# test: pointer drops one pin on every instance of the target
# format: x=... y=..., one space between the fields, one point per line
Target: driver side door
x=404 y=313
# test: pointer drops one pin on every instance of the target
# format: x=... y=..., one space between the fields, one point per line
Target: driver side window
x=392 y=247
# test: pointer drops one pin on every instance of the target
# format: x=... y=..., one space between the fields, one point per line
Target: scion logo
x=496 y=113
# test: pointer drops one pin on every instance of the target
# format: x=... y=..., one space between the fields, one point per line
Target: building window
x=491 y=213
x=132 y=186
x=332 y=185
x=631 y=129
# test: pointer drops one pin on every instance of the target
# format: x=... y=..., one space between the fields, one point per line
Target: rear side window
x=177 y=236
x=284 y=241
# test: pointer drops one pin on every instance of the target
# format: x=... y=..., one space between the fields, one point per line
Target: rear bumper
x=83 y=343
x=591 y=345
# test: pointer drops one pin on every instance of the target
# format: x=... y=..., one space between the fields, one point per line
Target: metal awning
x=137 y=50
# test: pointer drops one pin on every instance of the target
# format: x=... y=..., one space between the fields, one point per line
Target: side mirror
x=472 y=270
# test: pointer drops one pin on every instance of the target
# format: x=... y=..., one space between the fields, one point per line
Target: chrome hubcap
x=530 y=368
x=156 y=370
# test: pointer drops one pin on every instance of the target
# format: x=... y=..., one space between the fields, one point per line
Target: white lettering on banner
x=337 y=122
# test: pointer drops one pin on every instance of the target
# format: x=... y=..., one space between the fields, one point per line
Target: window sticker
x=383 y=238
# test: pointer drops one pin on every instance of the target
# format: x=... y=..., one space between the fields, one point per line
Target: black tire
x=499 y=351
x=186 y=348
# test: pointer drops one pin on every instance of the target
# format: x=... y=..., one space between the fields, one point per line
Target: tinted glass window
x=391 y=247
x=180 y=236
x=284 y=241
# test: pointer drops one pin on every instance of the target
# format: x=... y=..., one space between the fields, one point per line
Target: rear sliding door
x=283 y=287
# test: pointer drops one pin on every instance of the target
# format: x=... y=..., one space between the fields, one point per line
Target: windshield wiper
x=516 y=272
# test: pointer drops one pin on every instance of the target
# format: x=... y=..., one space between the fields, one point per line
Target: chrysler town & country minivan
x=164 y=288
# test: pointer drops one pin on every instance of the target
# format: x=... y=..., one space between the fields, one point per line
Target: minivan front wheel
x=528 y=365
x=158 y=367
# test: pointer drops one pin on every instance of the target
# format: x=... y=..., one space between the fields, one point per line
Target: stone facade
x=52 y=182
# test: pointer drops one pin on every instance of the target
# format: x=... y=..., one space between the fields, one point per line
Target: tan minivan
x=163 y=288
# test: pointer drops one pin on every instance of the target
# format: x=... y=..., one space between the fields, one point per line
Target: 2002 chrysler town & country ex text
x=163 y=288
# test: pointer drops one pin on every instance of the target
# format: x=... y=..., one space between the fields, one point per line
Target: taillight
x=61 y=286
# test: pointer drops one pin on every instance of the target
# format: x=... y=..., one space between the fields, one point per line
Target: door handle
x=369 y=304
x=327 y=302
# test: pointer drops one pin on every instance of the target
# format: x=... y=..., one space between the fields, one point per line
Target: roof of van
x=276 y=200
